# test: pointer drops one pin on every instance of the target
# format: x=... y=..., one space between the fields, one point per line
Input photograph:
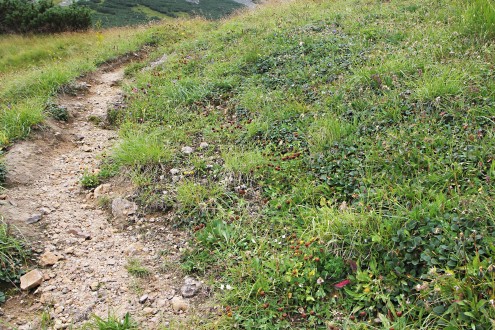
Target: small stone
x=48 y=259
x=26 y=326
x=31 y=280
x=148 y=311
x=46 y=298
x=134 y=248
x=174 y=171
x=101 y=190
x=80 y=234
x=143 y=299
x=3 y=196
x=203 y=145
x=94 y=286
x=122 y=208
x=59 y=309
x=161 y=303
x=187 y=150
x=34 y=218
x=49 y=288
x=190 y=288
x=179 y=305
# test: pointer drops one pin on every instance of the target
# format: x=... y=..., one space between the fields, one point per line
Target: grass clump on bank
x=13 y=255
x=347 y=181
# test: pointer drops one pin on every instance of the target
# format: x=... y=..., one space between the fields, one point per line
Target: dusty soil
x=91 y=276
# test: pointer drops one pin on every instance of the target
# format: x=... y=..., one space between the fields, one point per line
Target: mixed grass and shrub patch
x=348 y=179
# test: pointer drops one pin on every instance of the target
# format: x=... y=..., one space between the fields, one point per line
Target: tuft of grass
x=112 y=322
x=326 y=131
x=90 y=180
x=13 y=256
x=135 y=268
x=479 y=18
x=243 y=162
x=45 y=320
x=140 y=148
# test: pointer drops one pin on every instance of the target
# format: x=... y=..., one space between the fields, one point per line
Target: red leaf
x=340 y=285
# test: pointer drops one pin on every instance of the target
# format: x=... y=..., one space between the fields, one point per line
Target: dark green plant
x=89 y=180
x=3 y=173
x=58 y=112
x=22 y=16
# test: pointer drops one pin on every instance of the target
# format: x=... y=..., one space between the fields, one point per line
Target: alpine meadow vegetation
x=347 y=182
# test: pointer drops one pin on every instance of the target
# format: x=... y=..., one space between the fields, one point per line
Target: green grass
x=33 y=68
x=352 y=175
x=479 y=18
x=112 y=322
x=135 y=268
x=13 y=256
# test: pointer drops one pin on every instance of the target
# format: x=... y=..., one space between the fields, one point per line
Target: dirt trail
x=91 y=277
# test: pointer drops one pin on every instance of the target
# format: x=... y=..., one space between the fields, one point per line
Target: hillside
x=331 y=163
x=130 y=12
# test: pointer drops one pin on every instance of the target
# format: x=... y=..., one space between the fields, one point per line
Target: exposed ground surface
x=91 y=278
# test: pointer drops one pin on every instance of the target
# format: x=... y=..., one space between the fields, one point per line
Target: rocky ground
x=82 y=251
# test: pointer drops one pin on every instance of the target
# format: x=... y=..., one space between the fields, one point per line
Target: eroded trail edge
x=89 y=247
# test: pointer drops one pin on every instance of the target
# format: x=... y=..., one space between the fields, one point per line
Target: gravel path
x=91 y=275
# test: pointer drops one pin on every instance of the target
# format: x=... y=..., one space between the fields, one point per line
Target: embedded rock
x=179 y=305
x=48 y=259
x=122 y=208
x=31 y=280
x=190 y=288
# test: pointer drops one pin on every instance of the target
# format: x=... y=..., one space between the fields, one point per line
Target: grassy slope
x=348 y=140
x=32 y=68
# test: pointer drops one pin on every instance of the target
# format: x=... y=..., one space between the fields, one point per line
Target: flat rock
x=48 y=259
x=203 y=145
x=34 y=218
x=121 y=207
x=31 y=280
x=179 y=305
x=190 y=288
